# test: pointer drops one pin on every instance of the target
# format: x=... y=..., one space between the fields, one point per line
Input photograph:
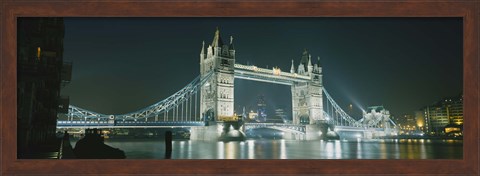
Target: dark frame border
x=467 y=9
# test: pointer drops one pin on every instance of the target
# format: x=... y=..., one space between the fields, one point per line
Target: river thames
x=292 y=149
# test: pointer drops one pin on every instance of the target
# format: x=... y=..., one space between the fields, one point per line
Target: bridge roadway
x=127 y=124
x=275 y=75
x=186 y=124
x=277 y=126
x=359 y=129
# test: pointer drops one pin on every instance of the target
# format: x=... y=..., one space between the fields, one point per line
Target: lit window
x=38 y=52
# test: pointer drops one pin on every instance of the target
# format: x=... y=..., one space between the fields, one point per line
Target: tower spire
x=309 y=65
x=231 y=47
x=217 y=40
x=309 y=60
x=292 y=68
x=203 y=47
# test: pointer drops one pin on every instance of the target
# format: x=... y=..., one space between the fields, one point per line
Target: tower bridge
x=206 y=104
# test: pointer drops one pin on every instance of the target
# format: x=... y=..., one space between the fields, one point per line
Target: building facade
x=261 y=109
x=41 y=74
x=217 y=96
x=307 y=98
x=448 y=111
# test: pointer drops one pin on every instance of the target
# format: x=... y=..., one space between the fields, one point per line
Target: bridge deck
x=276 y=76
x=127 y=124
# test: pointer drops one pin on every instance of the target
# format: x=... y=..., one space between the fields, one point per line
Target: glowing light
x=276 y=71
x=39 y=51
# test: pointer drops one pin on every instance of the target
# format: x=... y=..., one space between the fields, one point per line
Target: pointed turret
x=292 y=68
x=304 y=60
x=202 y=56
x=203 y=48
x=301 y=69
x=318 y=66
x=231 y=47
x=217 y=40
x=309 y=60
x=310 y=66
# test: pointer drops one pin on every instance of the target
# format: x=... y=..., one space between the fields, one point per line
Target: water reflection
x=231 y=150
x=220 y=150
x=251 y=149
x=291 y=149
x=283 y=149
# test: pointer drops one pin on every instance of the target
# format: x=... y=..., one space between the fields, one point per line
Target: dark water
x=292 y=149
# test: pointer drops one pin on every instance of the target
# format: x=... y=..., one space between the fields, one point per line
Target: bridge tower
x=217 y=95
x=307 y=100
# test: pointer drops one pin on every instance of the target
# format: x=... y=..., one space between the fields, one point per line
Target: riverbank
x=422 y=137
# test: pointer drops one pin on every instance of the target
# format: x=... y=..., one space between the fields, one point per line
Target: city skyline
x=124 y=64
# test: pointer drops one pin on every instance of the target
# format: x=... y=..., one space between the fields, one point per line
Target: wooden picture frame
x=11 y=10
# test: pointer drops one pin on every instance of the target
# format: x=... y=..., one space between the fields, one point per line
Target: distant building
x=252 y=115
x=280 y=112
x=420 y=121
x=410 y=121
x=41 y=73
x=261 y=109
x=279 y=117
x=448 y=111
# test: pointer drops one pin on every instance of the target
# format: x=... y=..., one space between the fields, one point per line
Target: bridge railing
x=278 y=126
x=185 y=95
x=127 y=123
x=170 y=102
x=270 y=71
x=340 y=111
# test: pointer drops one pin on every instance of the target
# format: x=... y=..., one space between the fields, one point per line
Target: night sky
x=124 y=64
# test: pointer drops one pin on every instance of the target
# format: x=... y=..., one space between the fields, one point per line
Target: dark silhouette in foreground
x=168 y=144
x=92 y=147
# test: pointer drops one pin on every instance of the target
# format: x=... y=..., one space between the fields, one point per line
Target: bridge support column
x=307 y=97
x=217 y=95
x=315 y=131
x=223 y=131
x=294 y=136
x=367 y=134
x=320 y=130
x=205 y=133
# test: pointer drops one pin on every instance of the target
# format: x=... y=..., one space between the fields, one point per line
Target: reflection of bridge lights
x=283 y=146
